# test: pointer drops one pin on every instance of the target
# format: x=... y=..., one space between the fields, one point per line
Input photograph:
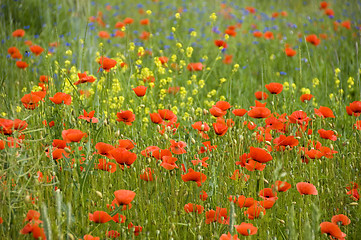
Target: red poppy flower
x=332 y=229
x=18 y=33
x=168 y=162
x=32 y=227
x=239 y=112
x=113 y=234
x=282 y=186
x=106 y=63
x=329 y=12
x=282 y=140
x=313 y=39
x=106 y=166
x=140 y=91
x=217 y=112
x=7 y=126
x=246 y=229
x=137 y=229
x=274 y=88
x=260 y=155
x=90 y=237
x=119 y=25
x=220 y=215
x=259 y=112
x=126 y=116
x=100 y=217
x=83 y=78
x=60 y=97
x=163 y=59
x=220 y=127
x=166 y=114
x=242 y=201
x=156 y=118
x=306 y=97
x=89 y=117
x=261 y=95
x=268 y=35
x=299 y=117
x=255 y=211
x=190 y=207
x=290 y=52
x=203 y=195
x=128 y=21
x=257 y=34
x=104 y=34
x=247 y=162
x=37 y=50
x=324 y=112
x=195 y=66
x=220 y=43
x=123 y=156
x=21 y=64
x=124 y=197
x=147 y=174
x=178 y=147
x=323 y=5
x=305 y=188
x=228 y=236
x=341 y=218
x=194 y=176
x=268 y=194
x=327 y=134
x=72 y=135
x=227 y=59
x=346 y=24
x=104 y=149
x=237 y=175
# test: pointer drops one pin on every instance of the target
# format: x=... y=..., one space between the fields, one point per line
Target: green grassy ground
x=185 y=33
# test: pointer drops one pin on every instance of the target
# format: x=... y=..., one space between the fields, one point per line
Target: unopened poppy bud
x=142 y=105
x=265 y=180
x=202 y=127
x=121 y=135
x=71 y=236
x=99 y=194
x=235 y=141
x=169 y=129
x=205 y=111
x=268 y=142
x=281 y=221
x=294 y=203
x=193 y=141
x=166 y=136
x=27 y=198
x=158 y=128
x=354 y=204
x=117 y=133
x=67 y=150
x=240 y=137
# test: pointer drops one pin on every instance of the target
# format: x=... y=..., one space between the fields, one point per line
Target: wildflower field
x=180 y=119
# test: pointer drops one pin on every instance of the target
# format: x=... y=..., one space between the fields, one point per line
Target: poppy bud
x=67 y=150
x=27 y=198
x=193 y=141
x=71 y=236
x=202 y=127
x=265 y=180
x=99 y=194
x=354 y=204
x=240 y=137
x=281 y=221
x=158 y=128
x=205 y=111
x=166 y=136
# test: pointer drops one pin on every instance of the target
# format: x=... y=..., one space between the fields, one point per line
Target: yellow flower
x=18 y=109
x=177 y=16
x=68 y=52
x=337 y=71
x=173 y=29
x=194 y=34
x=148 y=12
x=213 y=17
x=189 y=52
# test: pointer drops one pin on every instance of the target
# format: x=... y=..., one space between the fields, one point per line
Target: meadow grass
x=71 y=187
